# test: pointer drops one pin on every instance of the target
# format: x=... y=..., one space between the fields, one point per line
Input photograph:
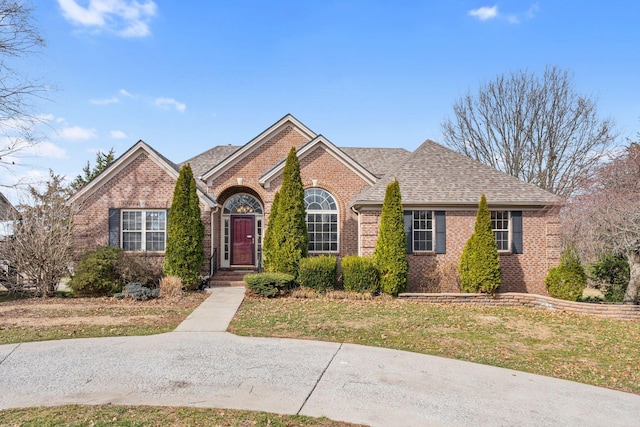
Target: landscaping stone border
x=513 y=299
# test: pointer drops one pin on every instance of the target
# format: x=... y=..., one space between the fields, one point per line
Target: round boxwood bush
x=268 y=284
x=568 y=280
x=359 y=274
x=319 y=273
x=96 y=273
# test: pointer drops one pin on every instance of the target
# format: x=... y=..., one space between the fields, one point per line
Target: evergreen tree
x=184 y=255
x=479 y=264
x=289 y=239
x=390 y=253
x=269 y=246
x=103 y=161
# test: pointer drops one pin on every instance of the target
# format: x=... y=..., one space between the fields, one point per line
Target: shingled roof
x=436 y=175
x=376 y=160
x=205 y=161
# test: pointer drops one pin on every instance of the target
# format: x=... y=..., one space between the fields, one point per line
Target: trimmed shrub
x=96 y=273
x=268 y=284
x=359 y=274
x=171 y=287
x=479 y=266
x=137 y=292
x=139 y=268
x=390 y=253
x=568 y=280
x=611 y=273
x=319 y=273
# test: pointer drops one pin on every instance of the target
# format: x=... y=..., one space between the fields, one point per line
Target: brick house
x=127 y=205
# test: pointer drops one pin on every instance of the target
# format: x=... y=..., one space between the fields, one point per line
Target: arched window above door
x=242 y=204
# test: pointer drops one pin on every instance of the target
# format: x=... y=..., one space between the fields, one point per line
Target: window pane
x=155 y=241
x=132 y=241
x=131 y=221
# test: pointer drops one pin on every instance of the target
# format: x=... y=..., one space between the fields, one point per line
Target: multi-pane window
x=144 y=230
x=322 y=220
x=500 y=227
x=422 y=231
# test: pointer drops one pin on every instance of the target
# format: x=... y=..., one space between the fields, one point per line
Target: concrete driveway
x=374 y=386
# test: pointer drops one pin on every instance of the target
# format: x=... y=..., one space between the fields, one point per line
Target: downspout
x=213 y=253
x=355 y=211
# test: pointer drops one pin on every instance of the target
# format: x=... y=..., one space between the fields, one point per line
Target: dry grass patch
x=575 y=347
x=37 y=319
x=117 y=415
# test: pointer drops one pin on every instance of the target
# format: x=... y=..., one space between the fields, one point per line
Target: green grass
x=26 y=334
x=575 y=347
x=115 y=415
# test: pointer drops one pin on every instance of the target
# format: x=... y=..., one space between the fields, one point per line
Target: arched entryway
x=241 y=231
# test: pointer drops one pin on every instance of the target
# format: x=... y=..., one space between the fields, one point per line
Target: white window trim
x=143 y=231
x=509 y=231
x=433 y=232
x=326 y=212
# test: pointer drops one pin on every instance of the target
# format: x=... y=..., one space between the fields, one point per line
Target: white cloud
x=117 y=134
x=484 y=13
x=77 y=133
x=105 y=101
x=124 y=92
x=167 y=103
x=125 y=18
x=49 y=150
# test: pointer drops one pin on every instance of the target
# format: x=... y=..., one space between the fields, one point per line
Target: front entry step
x=229 y=278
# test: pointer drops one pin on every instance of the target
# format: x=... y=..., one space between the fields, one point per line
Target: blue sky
x=186 y=76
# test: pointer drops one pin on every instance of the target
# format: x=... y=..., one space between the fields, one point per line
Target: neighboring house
x=126 y=205
x=8 y=214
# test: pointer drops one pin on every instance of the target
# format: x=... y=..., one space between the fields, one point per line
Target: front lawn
x=38 y=319
x=574 y=347
x=117 y=415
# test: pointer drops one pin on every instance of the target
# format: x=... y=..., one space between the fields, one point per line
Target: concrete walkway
x=215 y=313
x=374 y=386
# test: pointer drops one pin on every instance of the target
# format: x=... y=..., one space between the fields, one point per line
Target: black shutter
x=408 y=230
x=114 y=227
x=516 y=223
x=441 y=232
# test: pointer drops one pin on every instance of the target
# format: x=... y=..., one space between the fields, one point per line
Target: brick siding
x=142 y=184
x=524 y=272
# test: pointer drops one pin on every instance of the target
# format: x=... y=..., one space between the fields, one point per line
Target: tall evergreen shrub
x=184 y=254
x=390 y=254
x=479 y=264
x=289 y=240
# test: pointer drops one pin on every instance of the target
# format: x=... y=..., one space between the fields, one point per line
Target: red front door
x=242 y=240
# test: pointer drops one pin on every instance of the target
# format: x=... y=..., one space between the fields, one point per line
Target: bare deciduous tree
x=605 y=216
x=18 y=91
x=40 y=250
x=537 y=129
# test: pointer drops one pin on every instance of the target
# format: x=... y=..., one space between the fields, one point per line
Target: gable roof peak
x=287 y=120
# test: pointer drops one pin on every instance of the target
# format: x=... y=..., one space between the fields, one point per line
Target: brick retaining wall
x=513 y=299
